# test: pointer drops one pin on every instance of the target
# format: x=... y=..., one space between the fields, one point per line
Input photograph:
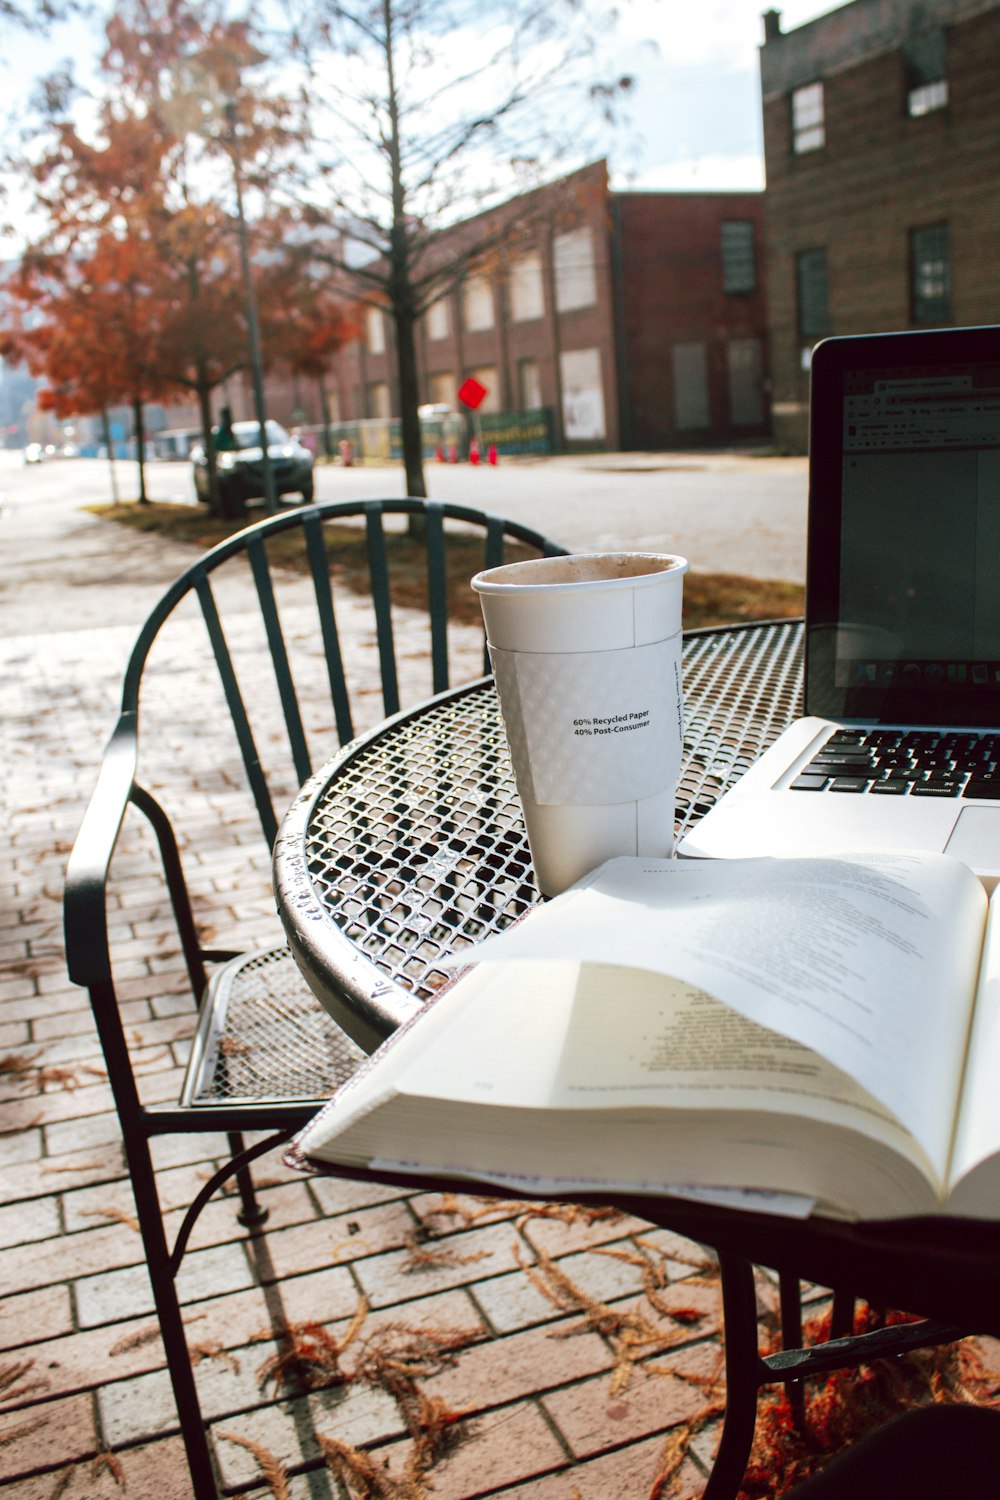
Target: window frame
x=477 y=293
x=735 y=258
x=809 y=329
x=438 y=318
x=925 y=63
x=526 y=287
x=375 y=340
x=929 y=310
x=926 y=98
x=575 y=283
x=808 y=124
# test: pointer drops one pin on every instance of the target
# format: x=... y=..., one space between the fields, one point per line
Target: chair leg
x=168 y=1313
x=743 y=1377
x=253 y=1213
x=790 y=1290
x=842 y=1315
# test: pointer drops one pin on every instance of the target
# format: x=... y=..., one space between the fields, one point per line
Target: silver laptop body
x=901 y=740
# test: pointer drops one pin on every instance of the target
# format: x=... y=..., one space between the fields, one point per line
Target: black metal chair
x=244 y=683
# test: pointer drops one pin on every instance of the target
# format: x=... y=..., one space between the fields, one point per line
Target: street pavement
x=553 y=1406
x=724 y=512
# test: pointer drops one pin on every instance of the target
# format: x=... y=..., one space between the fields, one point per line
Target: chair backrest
x=276 y=647
x=393 y=609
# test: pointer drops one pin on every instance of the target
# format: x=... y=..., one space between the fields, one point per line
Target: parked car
x=240 y=470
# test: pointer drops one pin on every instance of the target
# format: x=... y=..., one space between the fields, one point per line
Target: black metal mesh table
x=409 y=844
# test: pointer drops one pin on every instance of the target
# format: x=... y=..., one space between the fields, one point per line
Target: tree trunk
x=324 y=409
x=109 y=444
x=139 y=432
x=228 y=508
x=409 y=399
x=401 y=289
x=204 y=393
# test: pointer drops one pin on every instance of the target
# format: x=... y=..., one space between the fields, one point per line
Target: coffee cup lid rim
x=486 y=582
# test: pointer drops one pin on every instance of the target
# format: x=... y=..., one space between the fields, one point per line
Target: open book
x=827 y=1028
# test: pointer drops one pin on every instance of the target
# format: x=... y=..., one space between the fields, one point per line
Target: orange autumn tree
x=155 y=170
x=304 y=322
x=89 y=328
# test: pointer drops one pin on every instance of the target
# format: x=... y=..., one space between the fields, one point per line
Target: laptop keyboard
x=905 y=763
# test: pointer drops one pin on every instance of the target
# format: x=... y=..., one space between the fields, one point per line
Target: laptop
x=900 y=744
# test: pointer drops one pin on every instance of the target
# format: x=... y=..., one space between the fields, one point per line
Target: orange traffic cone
x=474 y=451
x=491 y=454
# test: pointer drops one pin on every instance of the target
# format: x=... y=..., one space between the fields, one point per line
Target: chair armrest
x=84 y=910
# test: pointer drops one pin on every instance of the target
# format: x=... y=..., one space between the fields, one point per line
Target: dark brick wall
x=880 y=175
x=669 y=247
x=658 y=263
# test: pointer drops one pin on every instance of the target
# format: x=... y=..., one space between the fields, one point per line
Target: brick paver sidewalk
x=552 y=1406
x=574 y=1348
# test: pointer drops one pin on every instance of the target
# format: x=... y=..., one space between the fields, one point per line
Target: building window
x=808 y=127
x=576 y=275
x=477 y=304
x=930 y=275
x=583 y=395
x=527 y=295
x=487 y=376
x=375 y=330
x=692 y=411
x=924 y=64
x=814 y=302
x=529 y=381
x=739 y=268
x=438 y=319
x=379 y=403
x=927 y=97
x=443 y=390
x=745 y=368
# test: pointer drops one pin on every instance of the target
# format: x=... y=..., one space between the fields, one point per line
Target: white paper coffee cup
x=586 y=652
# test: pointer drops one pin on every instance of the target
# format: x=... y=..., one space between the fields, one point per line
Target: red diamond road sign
x=471 y=392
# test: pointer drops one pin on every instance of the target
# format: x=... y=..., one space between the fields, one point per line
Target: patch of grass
x=709 y=598
x=729 y=598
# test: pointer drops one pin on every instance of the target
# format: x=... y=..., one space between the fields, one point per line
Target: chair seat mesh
x=264 y=1038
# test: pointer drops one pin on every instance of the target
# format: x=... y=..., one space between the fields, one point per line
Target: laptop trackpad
x=975 y=839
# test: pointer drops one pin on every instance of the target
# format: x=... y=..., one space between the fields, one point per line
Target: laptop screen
x=904 y=528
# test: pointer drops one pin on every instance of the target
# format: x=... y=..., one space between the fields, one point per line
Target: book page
x=571 y=1036
x=868 y=960
x=977 y=1137
x=656 y=1040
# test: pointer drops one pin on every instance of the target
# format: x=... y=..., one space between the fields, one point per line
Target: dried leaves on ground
x=709 y=598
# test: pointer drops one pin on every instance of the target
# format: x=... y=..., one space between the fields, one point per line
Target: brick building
x=693 y=317
x=633 y=320
x=533 y=321
x=595 y=320
x=881 y=140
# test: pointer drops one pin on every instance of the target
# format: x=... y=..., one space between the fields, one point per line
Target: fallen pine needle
x=135 y=1340
x=73 y=1166
x=116 y=1215
x=273 y=1470
x=362 y=1477
x=110 y=1461
x=14 y=1433
x=214 y=1351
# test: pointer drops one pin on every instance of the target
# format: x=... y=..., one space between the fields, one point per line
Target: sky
x=695 y=118
x=697 y=111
